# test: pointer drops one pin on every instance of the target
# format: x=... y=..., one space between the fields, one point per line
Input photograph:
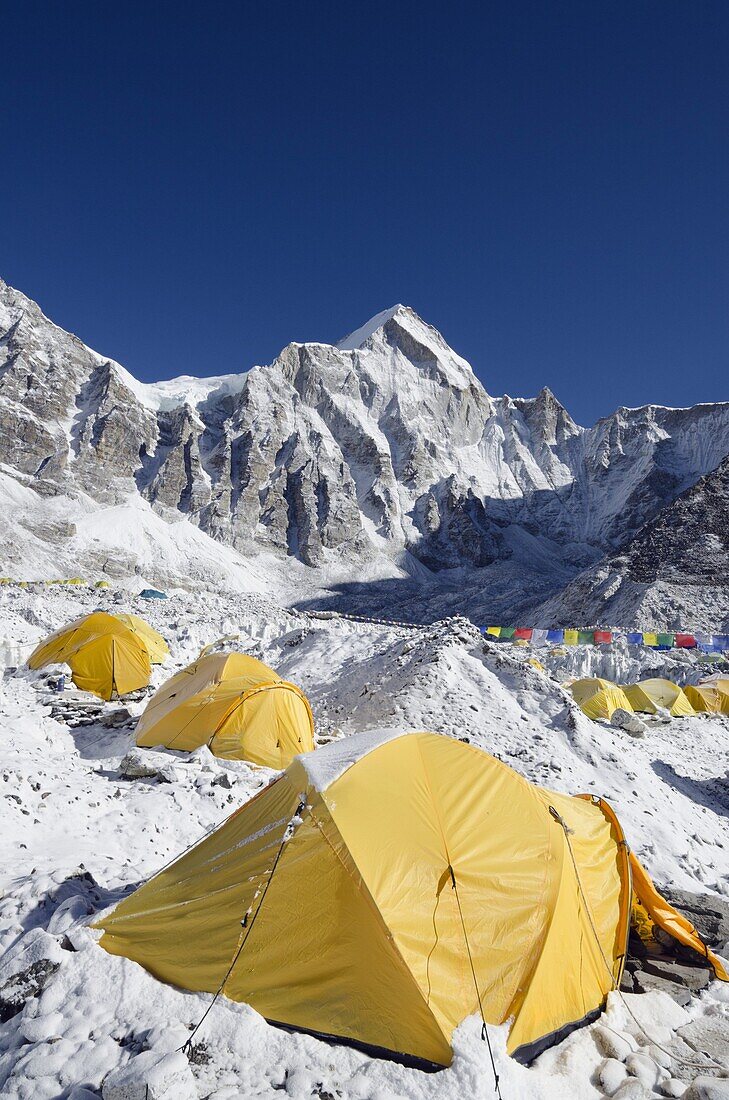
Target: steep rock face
x=673 y=574
x=385 y=446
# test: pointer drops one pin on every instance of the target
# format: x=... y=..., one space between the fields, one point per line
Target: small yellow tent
x=718 y=681
x=105 y=655
x=392 y=885
x=236 y=705
x=599 y=698
x=648 y=695
x=708 y=698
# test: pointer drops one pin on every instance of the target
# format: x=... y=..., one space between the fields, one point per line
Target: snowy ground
x=78 y=835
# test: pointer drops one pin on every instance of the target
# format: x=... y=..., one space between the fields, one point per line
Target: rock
x=611 y=1043
x=631 y=723
x=611 y=1074
x=645 y=982
x=631 y=1089
x=707 y=1088
x=709 y=914
x=152 y=1076
x=708 y=1035
x=116 y=718
x=26 y=969
x=145 y=764
x=659 y=1056
x=672 y=1087
x=694 y=978
x=643 y=1067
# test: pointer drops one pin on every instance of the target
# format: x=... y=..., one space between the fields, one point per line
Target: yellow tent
x=157 y=647
x=389 y=885
x=718 y=680
x=599 y=698
x=709 y=698
x=648 y=695
x=105 y=655
x=237 y=706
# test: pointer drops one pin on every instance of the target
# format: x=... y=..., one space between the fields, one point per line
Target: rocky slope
x=383 y=457
x=673 y=573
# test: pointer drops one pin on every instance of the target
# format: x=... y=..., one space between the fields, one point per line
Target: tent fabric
x=157 y=647
x=106 y=656
x=708 y=698
x=237 y=706
x=599 y=698
x=650 y=694
x=361 y=936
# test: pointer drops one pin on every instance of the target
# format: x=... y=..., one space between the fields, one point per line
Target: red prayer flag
x=523 y=632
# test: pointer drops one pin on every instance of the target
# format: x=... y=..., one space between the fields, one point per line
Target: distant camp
x=237 y=706
x=650 y=695
x=599 y=698
x=109 y=655
x=387 y=886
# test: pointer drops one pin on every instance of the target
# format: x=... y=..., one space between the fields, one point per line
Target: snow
x=360 y=335
x=325 y=766
x=79 y=835
x=184 y=390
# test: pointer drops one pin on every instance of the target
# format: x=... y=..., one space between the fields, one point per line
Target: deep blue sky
x=190 y=186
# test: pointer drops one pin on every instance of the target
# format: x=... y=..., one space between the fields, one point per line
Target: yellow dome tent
x=708 y=697
x=237 y=706
x=106 y=655
x=599 y=698
x=648 y=695
x=389 y=886
x=157 y=647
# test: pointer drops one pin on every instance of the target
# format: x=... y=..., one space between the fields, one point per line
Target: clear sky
x=188 y=187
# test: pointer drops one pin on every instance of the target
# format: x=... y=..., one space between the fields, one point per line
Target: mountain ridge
x=388 y=451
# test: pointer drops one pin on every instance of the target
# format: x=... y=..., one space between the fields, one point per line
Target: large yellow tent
x=708 y=697
x=648 y=695
x=389 y=886
x=236 y=705
x=106 y=655
x=599 y=698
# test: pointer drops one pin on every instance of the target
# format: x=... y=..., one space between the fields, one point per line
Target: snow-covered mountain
x=379 y=469
x=674 y=572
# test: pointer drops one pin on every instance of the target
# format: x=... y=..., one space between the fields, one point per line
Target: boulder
x=708 y=1088
x=152 y=1076
x=631 y=723
x=26 y=969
